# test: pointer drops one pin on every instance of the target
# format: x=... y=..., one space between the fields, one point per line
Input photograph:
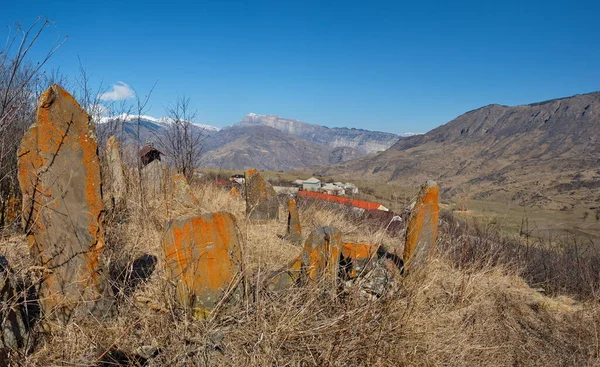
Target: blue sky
x=390 y=66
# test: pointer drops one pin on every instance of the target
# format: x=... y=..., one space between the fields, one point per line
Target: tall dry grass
x=470 y=305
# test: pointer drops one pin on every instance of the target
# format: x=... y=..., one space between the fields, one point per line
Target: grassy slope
x=448 y=313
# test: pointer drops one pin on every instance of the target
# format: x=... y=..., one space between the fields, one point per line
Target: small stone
x=321 y=253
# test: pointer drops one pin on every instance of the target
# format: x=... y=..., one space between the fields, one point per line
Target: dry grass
x=464 y=308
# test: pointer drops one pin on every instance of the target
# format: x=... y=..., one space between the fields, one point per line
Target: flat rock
x=59 y=177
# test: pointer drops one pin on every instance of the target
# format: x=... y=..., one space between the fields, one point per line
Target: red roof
x=367 y=205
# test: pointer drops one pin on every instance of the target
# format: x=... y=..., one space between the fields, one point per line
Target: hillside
x=365 y=141
x=543 y=154
x=262 y=147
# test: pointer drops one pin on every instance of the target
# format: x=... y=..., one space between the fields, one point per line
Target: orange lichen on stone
x=355 y=257
x=203 y=256
x=422 y=228
x=59 y=177
x=261 y=198
x=321 y=253
x=294 y=229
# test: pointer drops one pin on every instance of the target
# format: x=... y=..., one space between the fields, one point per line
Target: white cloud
x=119 y=92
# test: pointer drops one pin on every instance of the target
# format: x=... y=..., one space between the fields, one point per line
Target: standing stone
x=422 y=228
x=294 y=230
x=203 y=257
x=182 y=191
x=14 y=333
x=59 y=177
x=286 y=277
x=321 y=253
x=115 y=171
x=152 y=180
x=261 y=198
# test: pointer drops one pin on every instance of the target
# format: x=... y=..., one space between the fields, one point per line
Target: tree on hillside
x=182 y=141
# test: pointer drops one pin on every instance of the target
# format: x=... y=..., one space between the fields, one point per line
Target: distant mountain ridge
x=543 y=154
x=264 y=142
x=365 y=141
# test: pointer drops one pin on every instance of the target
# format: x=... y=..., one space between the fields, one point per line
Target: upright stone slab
x=115 y=170
x=202 y=256
x=14 y=333
x=152 y=180
x=321 y=253
x=422 y=228
x=294 y=230
x=182 y=191
x=261 y=198
x=59 y=177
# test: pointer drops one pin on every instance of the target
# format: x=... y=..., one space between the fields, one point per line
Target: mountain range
x=544 y=154
x=261 y=141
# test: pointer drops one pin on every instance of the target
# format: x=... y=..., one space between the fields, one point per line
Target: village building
x=332 y=189
x=149 y=154
x=312 y=184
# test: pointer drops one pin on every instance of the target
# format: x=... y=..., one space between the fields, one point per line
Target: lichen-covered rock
x=321 y=253
x=14 y=333
x=261 y=198
x=203 y=257
x=422 y=228
x=116 y=174
x=234 y=192
x=355 y=258
x=294 y=229
x=182 y=191
x=286 y=277
x=59 y=177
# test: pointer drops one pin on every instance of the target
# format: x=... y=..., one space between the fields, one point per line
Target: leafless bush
x=182 y=140
x=20 y=81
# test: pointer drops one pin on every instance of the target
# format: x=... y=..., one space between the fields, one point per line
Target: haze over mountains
x=266 y=141
x=543 y=154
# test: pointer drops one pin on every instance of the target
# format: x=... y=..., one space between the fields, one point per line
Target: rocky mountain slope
x=264 y=142
x=364 y=141
x=242 y=146
x=544 y=154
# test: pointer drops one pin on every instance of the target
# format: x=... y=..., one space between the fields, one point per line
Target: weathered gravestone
x=203 y=257
x=321 y=254
x=152 y=180
x=422 y=228
x=294 y=230
x=14 y=333
x=59 y=177
x=261 y=198
x=182 y=191
x=116 y=173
